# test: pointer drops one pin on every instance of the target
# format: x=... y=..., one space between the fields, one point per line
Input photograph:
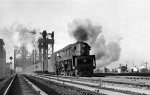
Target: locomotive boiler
x=74 y=60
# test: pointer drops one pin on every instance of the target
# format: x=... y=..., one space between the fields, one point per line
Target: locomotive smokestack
x=106 y=53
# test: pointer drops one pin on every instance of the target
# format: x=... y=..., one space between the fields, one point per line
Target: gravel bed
x=63 y=89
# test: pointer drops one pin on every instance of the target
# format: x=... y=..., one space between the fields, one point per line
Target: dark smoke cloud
x=80 y=34
x=84 y=30
x=106 y=53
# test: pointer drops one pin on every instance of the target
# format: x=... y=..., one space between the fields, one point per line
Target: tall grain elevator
x=46 y=48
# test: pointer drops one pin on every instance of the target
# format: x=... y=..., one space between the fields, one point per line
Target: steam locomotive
x=74 y=60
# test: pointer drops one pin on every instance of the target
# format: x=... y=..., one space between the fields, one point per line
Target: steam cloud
x=18 y=35
x=106 y=53
x=23 y=36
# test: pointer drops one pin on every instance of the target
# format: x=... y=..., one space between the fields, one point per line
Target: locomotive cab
x=82 y=49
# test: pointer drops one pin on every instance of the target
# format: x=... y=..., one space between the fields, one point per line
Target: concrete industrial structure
x=22 y=58
x=2 y=58
x=46 y=48
x=40 y=56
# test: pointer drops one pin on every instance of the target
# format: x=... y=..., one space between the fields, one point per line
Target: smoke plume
x=84 y=30
x=106 y=53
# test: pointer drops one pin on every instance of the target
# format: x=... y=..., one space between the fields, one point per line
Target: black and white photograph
x=74 y=47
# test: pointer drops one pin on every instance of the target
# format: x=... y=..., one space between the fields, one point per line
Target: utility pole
x=11 y=65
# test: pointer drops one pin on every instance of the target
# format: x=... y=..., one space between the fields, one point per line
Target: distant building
x=2 y=58
x=102 y=70
x=135 y=69
x=122 y=69
x=106 y=70
x=114 y=70
x=18 y=70
x=143 y=69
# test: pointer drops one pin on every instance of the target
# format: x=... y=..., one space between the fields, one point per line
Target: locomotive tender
x=74 y=60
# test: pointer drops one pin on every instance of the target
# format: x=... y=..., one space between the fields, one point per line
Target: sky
x=125 y=19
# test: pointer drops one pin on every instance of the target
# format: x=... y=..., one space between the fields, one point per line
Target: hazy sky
x=128 y=19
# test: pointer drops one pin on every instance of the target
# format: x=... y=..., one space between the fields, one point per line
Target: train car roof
x=69 y=46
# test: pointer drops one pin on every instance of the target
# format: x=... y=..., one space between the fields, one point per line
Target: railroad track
x=19 y=85
x=86 y=86
x=62 y=85
x=62 y=88
x=111 y=87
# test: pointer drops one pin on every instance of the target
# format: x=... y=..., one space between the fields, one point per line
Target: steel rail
x=35 y=87
x=6 y=91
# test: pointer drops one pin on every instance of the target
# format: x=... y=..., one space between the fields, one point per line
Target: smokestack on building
x=2 y=58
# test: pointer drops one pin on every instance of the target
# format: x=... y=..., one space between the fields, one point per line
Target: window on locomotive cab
x=68 y=52
x=58 y=54
x=83 y=49
x=74 y=49
x=63 y=53
x=77 y=51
